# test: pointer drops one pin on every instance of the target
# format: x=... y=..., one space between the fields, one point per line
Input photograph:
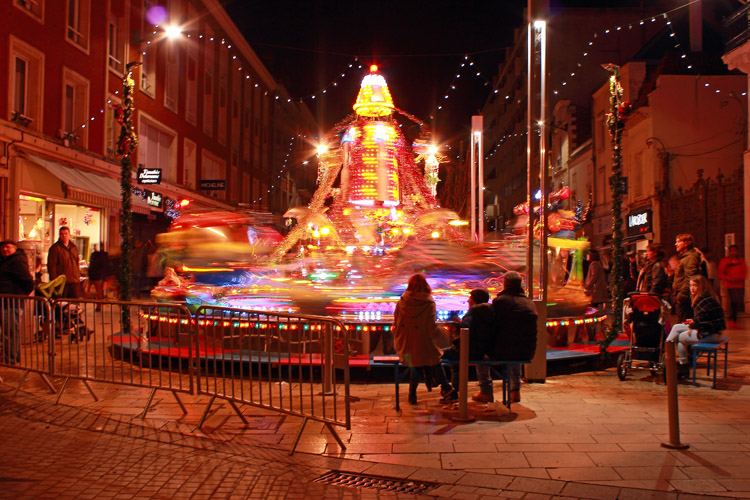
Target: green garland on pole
x=125 y=145
x=619 y=110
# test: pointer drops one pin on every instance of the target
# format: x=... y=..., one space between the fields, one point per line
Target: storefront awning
x=88 y=187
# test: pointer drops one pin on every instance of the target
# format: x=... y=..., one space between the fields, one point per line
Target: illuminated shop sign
x=153 y=199
x=640 y=222
x=213 y=185
x=149 y=175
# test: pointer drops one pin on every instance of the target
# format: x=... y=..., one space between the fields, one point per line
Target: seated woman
x=705 y=326
x=414 y=327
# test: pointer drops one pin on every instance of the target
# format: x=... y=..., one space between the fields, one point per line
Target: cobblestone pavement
x=584 y=435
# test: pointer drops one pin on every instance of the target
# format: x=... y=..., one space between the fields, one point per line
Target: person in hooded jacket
x=595 y=285
x=414 y=328
x=15 y=279
x=479 y=319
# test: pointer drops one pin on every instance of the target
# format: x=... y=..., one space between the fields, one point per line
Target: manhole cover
x=350 y=480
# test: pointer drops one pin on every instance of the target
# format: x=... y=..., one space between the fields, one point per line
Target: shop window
x=25 y=83
x=148 y=70
x=157 y=149
x=34 y=8
x=75 y=109
x=78 y=23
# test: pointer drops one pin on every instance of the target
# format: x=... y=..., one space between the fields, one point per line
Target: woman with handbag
x=414 y=331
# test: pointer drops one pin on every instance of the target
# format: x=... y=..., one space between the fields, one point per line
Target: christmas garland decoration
x=619 y=110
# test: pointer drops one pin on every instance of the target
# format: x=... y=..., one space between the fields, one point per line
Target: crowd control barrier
x=281 y=362
x=288 y=363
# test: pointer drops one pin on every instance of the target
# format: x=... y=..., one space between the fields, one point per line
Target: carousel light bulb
x=373 y=68
x=435 y=234
x=325 y=230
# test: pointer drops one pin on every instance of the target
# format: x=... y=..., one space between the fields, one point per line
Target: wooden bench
x=711 y=351
x=500 y=368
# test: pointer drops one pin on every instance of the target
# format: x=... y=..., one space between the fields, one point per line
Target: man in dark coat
x=15 y=279
x=479 y=319
x=63 y=259
x=515 y=328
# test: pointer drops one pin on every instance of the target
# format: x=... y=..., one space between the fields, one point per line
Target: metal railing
x=276 y=361
x=288 y=363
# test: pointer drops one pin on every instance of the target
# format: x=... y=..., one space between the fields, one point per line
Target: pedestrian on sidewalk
x=595 y=285
x=15 y=279
x=479 y=319
x=653 y=276
x=515 y=330
x=732 y=273
x=98 y=271
x=687 y=266
x=705 y=325
x=414 y=332
x=63 y=259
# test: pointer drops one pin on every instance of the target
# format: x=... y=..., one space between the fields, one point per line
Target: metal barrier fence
x=21 y=341
x=281 y=362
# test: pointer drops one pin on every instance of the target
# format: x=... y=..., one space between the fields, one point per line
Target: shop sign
x=149 y=175
x=213 y=185
x=640 y=222
x=153 y=199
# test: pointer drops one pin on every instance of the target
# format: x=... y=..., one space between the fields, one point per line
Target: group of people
x=683 y=281
x=506 y=329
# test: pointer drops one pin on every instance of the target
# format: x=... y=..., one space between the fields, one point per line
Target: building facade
x=213 y=126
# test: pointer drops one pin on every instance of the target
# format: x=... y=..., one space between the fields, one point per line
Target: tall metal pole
x=529 y=165
x=477 y=165
x=473 y=187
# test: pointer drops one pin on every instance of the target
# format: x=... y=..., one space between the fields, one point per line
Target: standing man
x=515 y=328
x=732 y=273
x=63 y=259
x=687 y=267
x=15 y=279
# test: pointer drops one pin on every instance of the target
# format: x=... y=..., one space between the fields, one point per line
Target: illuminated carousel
x=372 y=222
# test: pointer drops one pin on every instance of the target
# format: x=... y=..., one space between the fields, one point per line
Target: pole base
x=678 y=446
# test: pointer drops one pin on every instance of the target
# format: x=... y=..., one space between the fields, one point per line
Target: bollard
x=463 y=378
x=672 y=407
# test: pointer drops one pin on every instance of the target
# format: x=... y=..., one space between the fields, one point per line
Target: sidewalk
x=585 y=435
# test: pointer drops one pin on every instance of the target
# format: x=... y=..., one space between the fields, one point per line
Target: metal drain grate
x=346 y=479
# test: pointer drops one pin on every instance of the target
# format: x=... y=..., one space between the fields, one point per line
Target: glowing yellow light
x=316 y=234
x=373 y=68
x=395 y=230
x=325 y=230
x=374 y=98
x=458 y=222
x=322 y=149
x=433 y=150
x=346 y=212
x=407 y=230
x=435 y=234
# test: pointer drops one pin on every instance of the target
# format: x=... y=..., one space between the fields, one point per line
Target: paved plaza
x=581 y=435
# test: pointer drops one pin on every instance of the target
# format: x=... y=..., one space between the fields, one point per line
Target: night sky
x=418 y=46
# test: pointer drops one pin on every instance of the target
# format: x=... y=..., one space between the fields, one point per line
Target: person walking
x=414 y=328
x=63 y=260
x=595 y=285
x=653 y=276
x=98 y=271
x=732 y=273
x=15 y=279
x=687 y=267
x=705 y=325
x=515 y=330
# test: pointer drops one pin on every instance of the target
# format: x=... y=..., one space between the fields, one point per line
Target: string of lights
x=284 y=166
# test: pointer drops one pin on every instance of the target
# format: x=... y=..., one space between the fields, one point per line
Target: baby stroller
x=68 y=316
x=646 y=314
